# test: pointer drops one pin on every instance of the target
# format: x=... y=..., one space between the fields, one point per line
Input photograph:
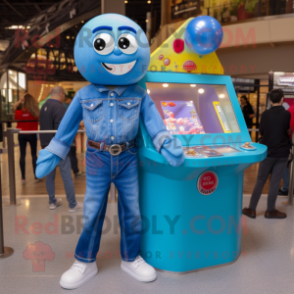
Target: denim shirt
x=111 y=116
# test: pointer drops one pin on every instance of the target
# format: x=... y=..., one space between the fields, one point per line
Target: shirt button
x=129 y=103
x=111 y=94
x=111 y=120
x=112 y=137
x=111 y=104
x=92 y=105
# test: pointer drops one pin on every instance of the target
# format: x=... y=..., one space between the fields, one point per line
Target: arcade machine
x=192 y=214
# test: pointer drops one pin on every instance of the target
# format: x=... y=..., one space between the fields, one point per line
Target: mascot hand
x=46 y=163
x=172 y=151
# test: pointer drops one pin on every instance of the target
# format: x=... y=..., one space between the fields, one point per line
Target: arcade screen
x=194 y=109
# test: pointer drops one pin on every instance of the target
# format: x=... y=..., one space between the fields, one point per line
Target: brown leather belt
x=114 y=149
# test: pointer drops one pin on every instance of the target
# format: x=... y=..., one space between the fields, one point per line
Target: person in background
x=67 y=101
x=73 y=148
x=51 y=115
x=274 y=126
x=248 y=112
x=286 y=175
x=27 y=108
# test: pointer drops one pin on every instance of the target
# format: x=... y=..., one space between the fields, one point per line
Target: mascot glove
x=172 y=151
x=46 y=163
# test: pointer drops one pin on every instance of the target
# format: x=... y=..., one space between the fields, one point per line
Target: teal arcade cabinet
x=192 y=214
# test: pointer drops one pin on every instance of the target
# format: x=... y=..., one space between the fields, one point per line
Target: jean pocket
x=93 y=110
x=128 y=109
x=91 y=150
x=133 y=150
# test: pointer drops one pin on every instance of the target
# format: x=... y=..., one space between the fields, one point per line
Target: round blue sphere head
x=203 y=34
x=111 y=49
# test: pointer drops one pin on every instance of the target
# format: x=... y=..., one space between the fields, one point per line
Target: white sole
x=146 y=280
x=80 y=283
x=55 y=206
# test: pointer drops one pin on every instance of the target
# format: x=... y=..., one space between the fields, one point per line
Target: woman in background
x=27 y=108
x=248 y=111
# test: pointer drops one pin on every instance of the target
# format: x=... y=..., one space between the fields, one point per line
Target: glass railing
x=241 y=10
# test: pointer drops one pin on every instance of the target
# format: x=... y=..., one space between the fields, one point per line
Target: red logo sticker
x=207 y=183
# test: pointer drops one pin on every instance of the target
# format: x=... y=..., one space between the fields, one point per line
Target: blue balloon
x=203 y=34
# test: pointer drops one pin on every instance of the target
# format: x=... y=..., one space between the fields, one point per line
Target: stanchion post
x=4 y=251
x=11 y=166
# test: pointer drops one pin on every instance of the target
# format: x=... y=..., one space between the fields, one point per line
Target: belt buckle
x=115 y=149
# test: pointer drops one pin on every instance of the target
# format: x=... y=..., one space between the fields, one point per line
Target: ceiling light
x=146 y=20
x=67 y=37
x=201 y=91
x=165 y=85
x=149 y=2
x=82 y=21
x=221 y=96
x=193 y=85
x=126 y=2
x=148 y=91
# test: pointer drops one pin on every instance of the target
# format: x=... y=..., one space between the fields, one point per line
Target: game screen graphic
x=208 y=151
x=194 y=109
x=200 y=150
x=181 y=117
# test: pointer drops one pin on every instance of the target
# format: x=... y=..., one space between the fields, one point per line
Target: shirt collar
x=54 y=100
x=118 y=90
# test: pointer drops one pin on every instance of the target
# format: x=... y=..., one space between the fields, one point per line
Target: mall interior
x=177 y=214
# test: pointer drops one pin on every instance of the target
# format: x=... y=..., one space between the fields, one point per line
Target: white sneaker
x=139 y=269
x=57 y=203
x=78 y=207
x=78 y=274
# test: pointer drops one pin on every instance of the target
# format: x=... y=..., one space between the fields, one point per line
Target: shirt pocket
x=128 y=109
x=93 y=110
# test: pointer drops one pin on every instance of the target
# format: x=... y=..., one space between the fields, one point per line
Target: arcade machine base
x=184 y=230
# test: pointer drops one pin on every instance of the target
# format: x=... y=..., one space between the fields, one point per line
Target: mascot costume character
x=112 y=53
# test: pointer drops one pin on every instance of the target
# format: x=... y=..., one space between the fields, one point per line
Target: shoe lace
x=80 y=266
x=138 y=261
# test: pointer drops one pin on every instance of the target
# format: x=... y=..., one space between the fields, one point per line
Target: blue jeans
x=285 y=180
x=102 y=169
x=65 y=171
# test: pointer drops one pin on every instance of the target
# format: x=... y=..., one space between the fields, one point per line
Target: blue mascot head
x=111 y=49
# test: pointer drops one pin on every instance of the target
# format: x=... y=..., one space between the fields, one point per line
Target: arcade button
x=248 y=146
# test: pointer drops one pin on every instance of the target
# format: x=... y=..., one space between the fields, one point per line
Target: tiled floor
x=266 y=265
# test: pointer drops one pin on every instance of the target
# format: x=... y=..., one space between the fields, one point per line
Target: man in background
x=51 y=115
x=286 y=175
x=274 y=126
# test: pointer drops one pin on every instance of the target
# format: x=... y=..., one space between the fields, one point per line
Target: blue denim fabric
x=65 y=171
x=111 y=116
x=101 y=170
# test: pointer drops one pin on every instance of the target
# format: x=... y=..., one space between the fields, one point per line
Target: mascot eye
x=103 y=44
x=127 y=44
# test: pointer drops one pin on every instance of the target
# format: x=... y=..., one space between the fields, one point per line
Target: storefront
x=13 y=84
x=284 y=81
